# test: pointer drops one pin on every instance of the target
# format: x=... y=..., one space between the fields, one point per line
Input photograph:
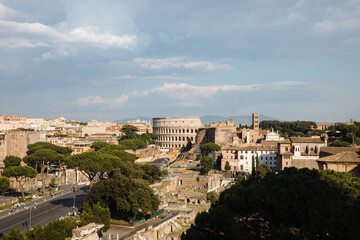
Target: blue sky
x=111 y=59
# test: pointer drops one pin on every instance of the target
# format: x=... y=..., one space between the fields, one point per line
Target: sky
x=114 y=59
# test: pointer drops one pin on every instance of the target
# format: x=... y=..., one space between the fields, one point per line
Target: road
x=45 y=210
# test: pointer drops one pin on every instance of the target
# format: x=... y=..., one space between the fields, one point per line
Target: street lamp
x=34 y=206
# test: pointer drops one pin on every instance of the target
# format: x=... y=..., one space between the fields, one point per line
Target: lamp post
x=34 y=206
x=74 y=206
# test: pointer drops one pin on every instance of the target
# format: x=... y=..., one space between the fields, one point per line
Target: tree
x=95 y=213
x=99 y=145
x=151 y=172
x=32 y=148
x=21 y=173
x=129 y=132
x=227 y=166
x=198 y=157
x=43 y=158
x=53 y=183
x=187 y=147
x=212 y=196
x=262 y=170
x=4 y=184
x=14 y=234
x=57 y=230
x=210 y=147
x=206 y=163
x=133 y=144
x=124 y=196
x=12 y=161
x=293 y=204
x=93 y=164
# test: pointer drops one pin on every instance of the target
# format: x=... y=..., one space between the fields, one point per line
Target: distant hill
x=238 y=119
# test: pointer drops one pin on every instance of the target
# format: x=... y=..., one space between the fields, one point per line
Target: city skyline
x=110 y=60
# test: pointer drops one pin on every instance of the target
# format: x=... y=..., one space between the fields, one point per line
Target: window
x=261 y=158
x=241 y=167
x=270 y=158
x=241 y=157
x=286 y=149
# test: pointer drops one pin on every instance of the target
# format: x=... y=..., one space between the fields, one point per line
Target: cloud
x=333 y=26
x=90 y=100
x=6 y=12
x=21 y=43
x=153 y=63
x=119 y=101
x=157 y=77
x=37 y=32
x=97 y=100
x=184 y=94
x=3 y=67
x=184 y=91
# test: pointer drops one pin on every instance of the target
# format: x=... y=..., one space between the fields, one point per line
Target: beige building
x=173 y=132
x=16 y=142
x=341 y=159
x=300 y=152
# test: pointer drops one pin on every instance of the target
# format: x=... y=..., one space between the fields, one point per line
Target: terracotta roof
x=327 y=151
x=342 y=157
x=287 y=153
x=285 y=141
x=306 y=140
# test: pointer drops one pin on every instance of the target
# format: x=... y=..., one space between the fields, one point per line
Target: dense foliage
x=133 y=144
x=210 y=147
x=99 y=145
x=206 y=163
x=55 y=230
x=293 y=204
x=12 y=161
x=187 y=147
x=44 y=157
x=32 y=148
x=4 y=184
x=93 y=164
x=290 y=129
x=343 y=135
x=95 y=213
x=126 y=197
x=21 y=173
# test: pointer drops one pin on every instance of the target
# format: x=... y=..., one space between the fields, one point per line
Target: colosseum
x=173 y=132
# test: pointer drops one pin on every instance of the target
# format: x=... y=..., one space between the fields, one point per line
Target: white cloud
x=332 y=26
x=153 y=63
x=187 y=94
x=119 y=101
x=90 y=100
x=157 y=77
x=33 y=32
x=5 y=11
x=97 y=100
x=21 y=43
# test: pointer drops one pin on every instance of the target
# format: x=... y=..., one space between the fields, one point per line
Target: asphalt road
x=44 y=212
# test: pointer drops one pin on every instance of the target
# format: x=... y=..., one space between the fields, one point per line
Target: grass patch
x=120 y=222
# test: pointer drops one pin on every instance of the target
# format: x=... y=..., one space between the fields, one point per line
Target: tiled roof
x=326 y=151
x=342 y=157
x=306 y=140
x=287 y=153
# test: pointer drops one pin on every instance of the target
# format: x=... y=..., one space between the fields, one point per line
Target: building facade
x=173 y=132
x=300 y=152
x=242 y=158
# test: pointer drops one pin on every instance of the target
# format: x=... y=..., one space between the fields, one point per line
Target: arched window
x=192 y=130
